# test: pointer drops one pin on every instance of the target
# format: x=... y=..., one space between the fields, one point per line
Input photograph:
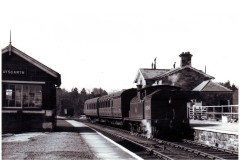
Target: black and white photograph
x=111 y=80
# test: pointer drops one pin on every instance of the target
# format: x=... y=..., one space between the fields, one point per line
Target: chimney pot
x=185 y=59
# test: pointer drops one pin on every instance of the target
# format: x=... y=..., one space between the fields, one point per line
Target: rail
x=170 y=150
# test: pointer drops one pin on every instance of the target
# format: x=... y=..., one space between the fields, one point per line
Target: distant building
x=189 y=79
x=28 y=92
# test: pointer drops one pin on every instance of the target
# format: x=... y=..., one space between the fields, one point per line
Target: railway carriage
x=105 y=106
x=114 y=107
x=110 y=108
x=91 y=109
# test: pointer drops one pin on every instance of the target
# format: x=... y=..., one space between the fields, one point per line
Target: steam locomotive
x=156 y=111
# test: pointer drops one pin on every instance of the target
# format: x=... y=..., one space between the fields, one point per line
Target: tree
x=83 y=98
x=228 y=85
x=83 y=95
x=74 y=97
x=74 y=100
x=234 y=88
x=63 y=101
x=96 y=92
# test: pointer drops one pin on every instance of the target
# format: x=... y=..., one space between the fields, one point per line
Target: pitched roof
x=211 y=86
x=33 y=61
x=150 y=73
x=172 y=71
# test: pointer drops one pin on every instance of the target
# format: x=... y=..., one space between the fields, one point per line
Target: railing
x=214 y=112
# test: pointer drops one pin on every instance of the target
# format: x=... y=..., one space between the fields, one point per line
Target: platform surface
x=101 y=146
x=215 y=126
x=45 y=146
x=66 y=143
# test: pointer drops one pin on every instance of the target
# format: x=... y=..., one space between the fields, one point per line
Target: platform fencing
x=225 y=113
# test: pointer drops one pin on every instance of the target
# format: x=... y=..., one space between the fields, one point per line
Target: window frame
x=18 y=93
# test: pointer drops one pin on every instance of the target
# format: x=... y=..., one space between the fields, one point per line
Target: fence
x=225 y=113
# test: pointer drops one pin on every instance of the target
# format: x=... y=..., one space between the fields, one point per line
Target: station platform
x=103 y=147
x=215 y=126
x=71 y=140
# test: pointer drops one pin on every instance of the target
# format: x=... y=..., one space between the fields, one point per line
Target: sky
x=100 y=43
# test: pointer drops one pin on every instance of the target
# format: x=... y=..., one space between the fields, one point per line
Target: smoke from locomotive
x=147 y=128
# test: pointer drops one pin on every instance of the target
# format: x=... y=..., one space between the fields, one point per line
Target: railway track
x=167 y=150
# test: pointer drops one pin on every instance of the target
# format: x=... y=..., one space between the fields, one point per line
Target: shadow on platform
x=63 y=126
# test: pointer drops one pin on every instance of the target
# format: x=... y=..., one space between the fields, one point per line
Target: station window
x=21 y=95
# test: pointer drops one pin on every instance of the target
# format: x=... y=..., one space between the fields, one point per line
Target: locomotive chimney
x=139 y=94
x=185 y=59
x=139 y=86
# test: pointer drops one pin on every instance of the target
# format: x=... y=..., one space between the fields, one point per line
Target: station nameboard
x=14 y=72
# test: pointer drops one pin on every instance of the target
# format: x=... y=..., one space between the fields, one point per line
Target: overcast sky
x=104 y=43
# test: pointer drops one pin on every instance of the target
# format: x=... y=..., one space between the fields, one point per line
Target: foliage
x=97 y=92
x=228 y=85
x=74 y=100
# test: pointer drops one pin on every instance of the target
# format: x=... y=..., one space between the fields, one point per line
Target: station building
x=28 y=92
x=189 y=79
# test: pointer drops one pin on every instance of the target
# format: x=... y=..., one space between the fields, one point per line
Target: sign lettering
x=13 y=72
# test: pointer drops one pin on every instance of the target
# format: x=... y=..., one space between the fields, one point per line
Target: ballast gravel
x=51 y=145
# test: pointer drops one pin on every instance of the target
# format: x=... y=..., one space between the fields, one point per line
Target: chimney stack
x=185 y=59
x=155 y=65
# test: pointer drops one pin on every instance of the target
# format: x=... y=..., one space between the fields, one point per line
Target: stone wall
x=187 y=79
x=220 y=140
